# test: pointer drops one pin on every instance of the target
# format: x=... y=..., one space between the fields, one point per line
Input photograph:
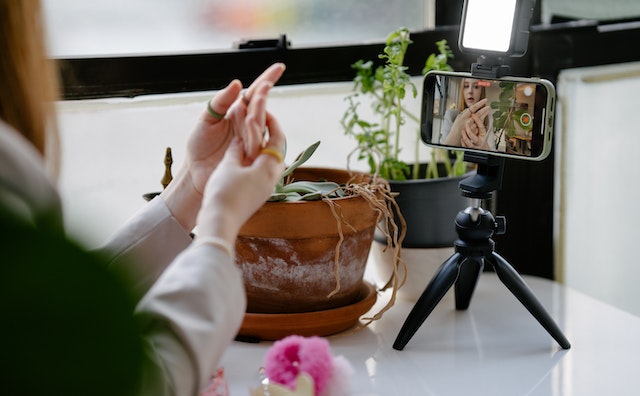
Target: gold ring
x=272 y=152
x=214 y=113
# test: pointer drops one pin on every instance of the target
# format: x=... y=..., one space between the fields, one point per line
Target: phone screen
x=508 y=116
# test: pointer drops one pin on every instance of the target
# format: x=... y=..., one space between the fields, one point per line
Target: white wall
x=113 y=150
x=598 y=182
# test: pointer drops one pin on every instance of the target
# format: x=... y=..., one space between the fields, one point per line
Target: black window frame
x=133 y=75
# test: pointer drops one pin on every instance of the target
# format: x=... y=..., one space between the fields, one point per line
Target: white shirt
x=193 y=298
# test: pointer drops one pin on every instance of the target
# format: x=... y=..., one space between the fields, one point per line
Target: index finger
x=271 y=75
x=478 y=105
x=483 y=112
x=255 y=121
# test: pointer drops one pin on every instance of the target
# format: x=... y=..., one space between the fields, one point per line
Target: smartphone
x=506 y=116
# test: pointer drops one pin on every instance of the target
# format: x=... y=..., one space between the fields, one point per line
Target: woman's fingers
x=478 y=105
x=256 y=121
x=465 y=136
x=483 y=113
x=275 y=145
x=219 y=105
x=271 y=156
x=253 y=101
x=277 y=139
x=478 y=124
x=271 y=75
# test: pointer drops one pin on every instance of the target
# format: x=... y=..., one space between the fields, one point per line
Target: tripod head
x=488 y=177
x=474 y=223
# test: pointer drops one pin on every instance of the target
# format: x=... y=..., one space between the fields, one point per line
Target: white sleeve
x=192 y=303
x=447 y=123
x=146 y=244
x=190 y=315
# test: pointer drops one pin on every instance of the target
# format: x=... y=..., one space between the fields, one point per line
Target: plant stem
x=415 y=174
x=398 y=125
x=386 y=123
x=402 y=109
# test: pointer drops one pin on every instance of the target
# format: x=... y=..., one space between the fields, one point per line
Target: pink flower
x=339 y=383
x=293 y=355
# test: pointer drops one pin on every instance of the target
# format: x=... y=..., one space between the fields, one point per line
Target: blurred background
x=570 y=217
x=79 y=27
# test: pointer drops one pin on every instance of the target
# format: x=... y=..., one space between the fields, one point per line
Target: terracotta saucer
x=271 y=327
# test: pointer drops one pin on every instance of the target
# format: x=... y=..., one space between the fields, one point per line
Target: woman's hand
x=224 y=119
x=212 y=135
x=241 y=184
x=474 y=134
x=454 y=138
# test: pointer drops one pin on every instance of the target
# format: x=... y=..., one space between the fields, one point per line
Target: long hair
x=28 y=78
x=462 y=104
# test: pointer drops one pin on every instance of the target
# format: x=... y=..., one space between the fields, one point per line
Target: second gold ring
x=272 y=152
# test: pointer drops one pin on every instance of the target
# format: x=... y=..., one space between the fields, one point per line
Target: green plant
x=291 y=191
x=378 y=143
x=508 y=114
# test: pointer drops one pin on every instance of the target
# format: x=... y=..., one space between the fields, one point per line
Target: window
x=133 y=47
x=108 y=27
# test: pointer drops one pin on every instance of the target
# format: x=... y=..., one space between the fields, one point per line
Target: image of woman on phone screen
x=470 y=127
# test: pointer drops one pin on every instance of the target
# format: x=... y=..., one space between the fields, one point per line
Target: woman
x=471 y=127
x=70 y=312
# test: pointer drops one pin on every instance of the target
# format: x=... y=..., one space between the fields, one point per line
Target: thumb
x=223 y=100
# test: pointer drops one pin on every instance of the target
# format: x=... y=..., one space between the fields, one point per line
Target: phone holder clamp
x=490 y=67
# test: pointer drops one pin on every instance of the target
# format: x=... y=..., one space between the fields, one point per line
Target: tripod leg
x=469 y=272
x=513 y=281
x=431 y=296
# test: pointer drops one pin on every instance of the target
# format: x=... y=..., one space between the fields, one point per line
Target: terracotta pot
x=287 y=250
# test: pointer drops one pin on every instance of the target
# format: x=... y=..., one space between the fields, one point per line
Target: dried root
x=380 y=197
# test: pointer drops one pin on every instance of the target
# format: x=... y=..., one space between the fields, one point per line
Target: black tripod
x=474 y=246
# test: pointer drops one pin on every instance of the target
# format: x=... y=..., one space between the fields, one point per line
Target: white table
x=494 y=348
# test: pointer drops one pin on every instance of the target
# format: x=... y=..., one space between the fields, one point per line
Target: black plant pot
x=429 y=207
